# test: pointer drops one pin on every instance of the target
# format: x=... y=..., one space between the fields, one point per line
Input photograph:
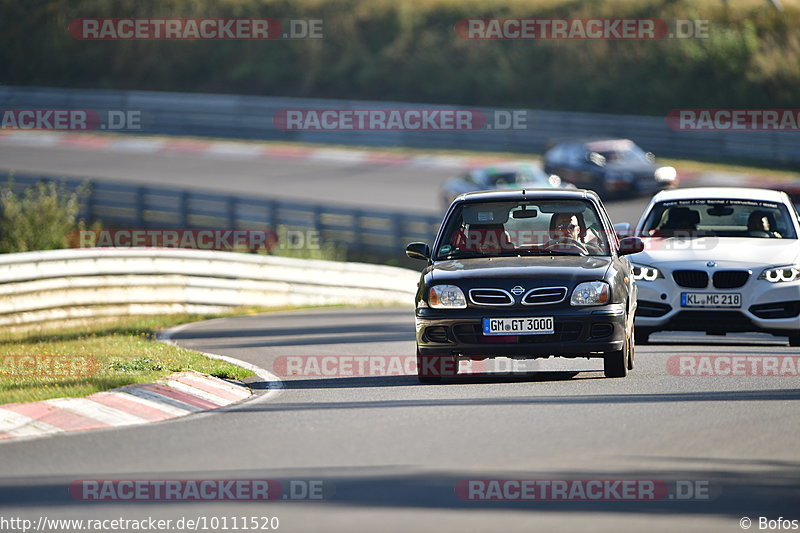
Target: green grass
x=120 y=352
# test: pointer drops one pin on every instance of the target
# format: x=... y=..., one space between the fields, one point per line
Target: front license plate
x=711 y=299
x=540 y=325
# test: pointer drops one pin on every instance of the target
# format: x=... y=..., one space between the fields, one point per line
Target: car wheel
x=631 y=348
x=432 y=368
x=794 y=340
x=616 y=364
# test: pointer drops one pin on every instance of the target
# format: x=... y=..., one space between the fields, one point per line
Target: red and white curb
x=237 y=149
x=248 y=150
x=178 y=395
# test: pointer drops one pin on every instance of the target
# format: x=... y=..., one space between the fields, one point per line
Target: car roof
x=508 y=166
x=586 y=140
x=733 y=193
x=508 y=195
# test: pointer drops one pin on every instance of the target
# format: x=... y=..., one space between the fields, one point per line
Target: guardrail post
x=183 y=209
x=89 y=207
x=139 y=203
x=316 y=224
x=397 y=230
x=358 y=233
x=231 y=212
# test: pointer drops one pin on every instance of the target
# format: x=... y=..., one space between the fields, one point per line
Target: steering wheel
x=566 y=243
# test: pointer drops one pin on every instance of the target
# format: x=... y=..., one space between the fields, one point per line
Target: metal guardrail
x=88 y=283
x=251 y=117
x=359 y=231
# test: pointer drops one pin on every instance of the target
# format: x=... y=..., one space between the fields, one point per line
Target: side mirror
x=631 y=245
x=418 y=250
x=623 y=229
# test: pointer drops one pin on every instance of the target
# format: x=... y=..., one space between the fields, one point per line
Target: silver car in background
x=506 y=175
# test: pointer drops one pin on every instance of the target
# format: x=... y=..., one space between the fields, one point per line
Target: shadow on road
x=730 y=488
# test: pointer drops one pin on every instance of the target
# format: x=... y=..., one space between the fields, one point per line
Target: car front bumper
x=579 y=332
x=765 y=307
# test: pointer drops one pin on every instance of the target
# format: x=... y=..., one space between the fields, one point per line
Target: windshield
x=535 y=227
x=514 y=178
x=719 y=218
x=619 y=152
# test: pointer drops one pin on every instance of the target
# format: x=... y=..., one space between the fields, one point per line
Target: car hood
x=734 y=252
x=545 y=268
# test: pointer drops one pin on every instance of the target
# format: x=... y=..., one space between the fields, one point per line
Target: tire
x=632 y=348
x=432 y=368
x=794 y=340
x=616 y=364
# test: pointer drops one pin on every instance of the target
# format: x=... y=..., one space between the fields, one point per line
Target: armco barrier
x=70 y=284
x=360 y=231
x=251 y=117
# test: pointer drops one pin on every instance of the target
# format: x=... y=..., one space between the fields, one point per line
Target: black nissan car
x=525 y=274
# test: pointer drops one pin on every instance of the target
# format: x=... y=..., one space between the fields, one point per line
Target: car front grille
x=544 y=295
x=776 y=310
x=730 y=321
x=692 y=279
x=652 y=309
x=490 y=297
x=730 y=279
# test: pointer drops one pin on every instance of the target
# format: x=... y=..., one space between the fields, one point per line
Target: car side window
x=556 y=155
x=576 y=155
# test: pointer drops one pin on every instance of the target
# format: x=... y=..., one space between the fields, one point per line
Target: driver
x=565 y=226
x=566 y=230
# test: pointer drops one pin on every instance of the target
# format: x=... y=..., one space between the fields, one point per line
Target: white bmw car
x=718 y=260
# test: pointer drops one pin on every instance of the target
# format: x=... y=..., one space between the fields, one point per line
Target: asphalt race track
x=339 y=181
x=386 y=454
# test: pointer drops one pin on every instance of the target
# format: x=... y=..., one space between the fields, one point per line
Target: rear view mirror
x=525 y=213
x=720 y=211
x=631 y=245
x=418 y=250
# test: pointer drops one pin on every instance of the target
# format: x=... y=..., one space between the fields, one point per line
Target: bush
x=407 y=50
x=43 y=218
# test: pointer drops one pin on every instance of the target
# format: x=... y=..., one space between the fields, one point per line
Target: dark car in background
x=525 y=274
x=506 y=175
x=610 y=167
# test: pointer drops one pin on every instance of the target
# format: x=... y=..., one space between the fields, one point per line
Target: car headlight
x=666 y=174
x=645 y=273
x=779 y=274
x=591 y=293
x=446 y=297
